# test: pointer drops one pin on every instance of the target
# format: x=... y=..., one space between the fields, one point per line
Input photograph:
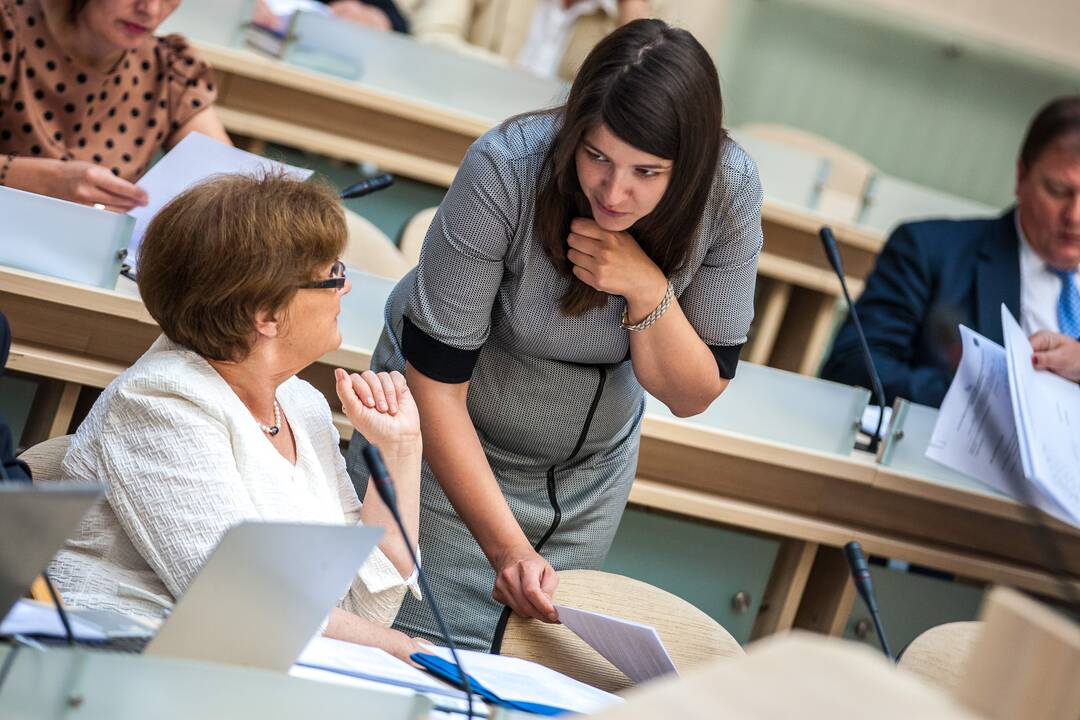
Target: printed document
x=975 y=433
x=1011 y=426
x=1047 y=411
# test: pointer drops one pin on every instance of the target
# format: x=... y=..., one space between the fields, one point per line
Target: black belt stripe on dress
x=553 y=498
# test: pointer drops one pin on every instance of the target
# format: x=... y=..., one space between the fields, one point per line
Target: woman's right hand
x=526 y=582
x=1057 y=353
x=381 y=408
x=80 y=182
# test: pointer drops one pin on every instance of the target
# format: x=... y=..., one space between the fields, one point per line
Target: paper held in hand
x=194 y=159
x=634 y=648
x=1013 y=427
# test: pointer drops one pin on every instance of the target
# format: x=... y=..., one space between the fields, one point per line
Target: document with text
x=1013 y=427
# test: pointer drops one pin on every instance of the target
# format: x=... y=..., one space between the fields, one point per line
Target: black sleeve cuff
x=727 y=359
x=435 y=359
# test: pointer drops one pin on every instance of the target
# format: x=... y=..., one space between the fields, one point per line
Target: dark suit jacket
x=929 y=277
x=14 y=469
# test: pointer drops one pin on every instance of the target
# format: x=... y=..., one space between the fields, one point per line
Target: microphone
x=380 y=476
x=366 y=187
x=860 y=575
x=832 y=252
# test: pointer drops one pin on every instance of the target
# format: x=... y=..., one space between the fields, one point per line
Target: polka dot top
x=51 y=106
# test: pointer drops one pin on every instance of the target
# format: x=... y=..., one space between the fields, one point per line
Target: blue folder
x=450 y=673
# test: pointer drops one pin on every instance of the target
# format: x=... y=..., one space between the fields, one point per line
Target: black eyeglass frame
x=336 y=279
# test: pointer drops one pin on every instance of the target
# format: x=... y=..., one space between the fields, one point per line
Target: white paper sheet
x=195 y=158
x=868 y=422
x=634 y=648
x=516 y=679
x=285 y=8
x=368 y=663
x=975 y=432
x=32 y=618
x=508 y=677
x=1047 y=411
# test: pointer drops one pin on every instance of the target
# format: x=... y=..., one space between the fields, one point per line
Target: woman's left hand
x=614 y=263
x=381 y=408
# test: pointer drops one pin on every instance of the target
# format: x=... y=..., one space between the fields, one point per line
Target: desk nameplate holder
x=788 y=174
x=784 y=407
x=62 y=239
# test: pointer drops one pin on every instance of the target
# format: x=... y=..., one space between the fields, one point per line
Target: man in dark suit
x=13 y=469
x=933 y=275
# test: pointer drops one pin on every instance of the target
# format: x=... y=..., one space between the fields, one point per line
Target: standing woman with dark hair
x=581 y=256
x=88 y=94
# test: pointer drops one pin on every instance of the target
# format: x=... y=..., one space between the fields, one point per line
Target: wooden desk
x=413 y=126
x=814 y=501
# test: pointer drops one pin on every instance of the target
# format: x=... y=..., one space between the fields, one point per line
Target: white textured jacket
x=182 y=460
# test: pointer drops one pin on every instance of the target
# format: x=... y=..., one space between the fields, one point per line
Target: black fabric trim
x=436 y=359
x=500 y=631
x=727 y=359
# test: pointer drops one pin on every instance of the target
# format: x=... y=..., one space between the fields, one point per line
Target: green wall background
x=946 y=116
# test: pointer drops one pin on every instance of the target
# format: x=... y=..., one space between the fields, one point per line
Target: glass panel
x=906 y=443
x=891 y=201
x=788 y=174
x=62 y=239
x=361 y=319
x=786 y=407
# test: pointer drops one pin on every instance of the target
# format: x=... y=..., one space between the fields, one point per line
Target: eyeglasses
x=336 y=279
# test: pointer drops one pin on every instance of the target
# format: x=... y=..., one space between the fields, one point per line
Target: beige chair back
x=690 y=636
x=1025 y=662
x=412 y=237
x=369 y=249
x=940 y=654
x=849 y=173
x=46 y=457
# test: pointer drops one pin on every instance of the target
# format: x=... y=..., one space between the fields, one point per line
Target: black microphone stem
x=385 y=487
x=832 y=252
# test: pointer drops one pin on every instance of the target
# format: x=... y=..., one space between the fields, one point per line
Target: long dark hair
x=656 y=88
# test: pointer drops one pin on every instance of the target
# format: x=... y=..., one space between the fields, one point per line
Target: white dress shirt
x=549 y=33
x=1040 y=288
x=182 y=460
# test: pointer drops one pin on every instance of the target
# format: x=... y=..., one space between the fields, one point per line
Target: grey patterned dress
x=553 y=398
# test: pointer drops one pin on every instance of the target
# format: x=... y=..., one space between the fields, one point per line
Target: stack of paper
x=511 y=678
x=1011 y=426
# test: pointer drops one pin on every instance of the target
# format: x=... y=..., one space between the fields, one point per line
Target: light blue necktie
x=1068 y=304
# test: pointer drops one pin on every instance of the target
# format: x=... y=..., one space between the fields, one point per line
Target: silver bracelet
x=669 y=296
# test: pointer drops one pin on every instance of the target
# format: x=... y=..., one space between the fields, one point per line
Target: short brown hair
x=1057 y=119
x=231 y=247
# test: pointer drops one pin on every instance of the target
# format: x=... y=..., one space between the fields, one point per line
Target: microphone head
x=832 y=252
x=366 y=187
x=380 y=475
x=856 y=559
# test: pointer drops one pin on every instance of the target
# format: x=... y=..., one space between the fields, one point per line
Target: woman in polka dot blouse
x=88 y=94
x=581 y=257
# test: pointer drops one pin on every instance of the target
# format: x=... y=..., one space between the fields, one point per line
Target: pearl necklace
x=274 y=429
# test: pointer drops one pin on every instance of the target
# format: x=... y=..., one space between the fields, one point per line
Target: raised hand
x=381 y=408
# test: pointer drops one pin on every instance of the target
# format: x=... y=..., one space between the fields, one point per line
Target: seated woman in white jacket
x=212 y=427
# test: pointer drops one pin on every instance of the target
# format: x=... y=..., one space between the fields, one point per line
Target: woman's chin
x=613 y=224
